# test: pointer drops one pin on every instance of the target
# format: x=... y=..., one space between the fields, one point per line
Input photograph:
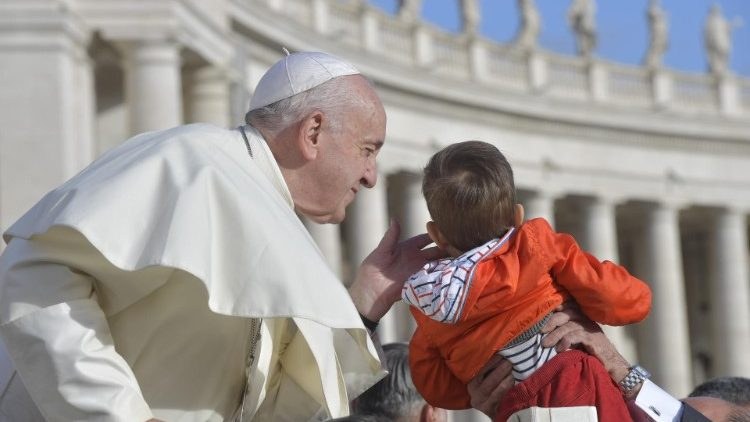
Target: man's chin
x=328 y=218
x=336 y=218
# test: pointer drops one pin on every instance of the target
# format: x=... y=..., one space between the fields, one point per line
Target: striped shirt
x=439 y=290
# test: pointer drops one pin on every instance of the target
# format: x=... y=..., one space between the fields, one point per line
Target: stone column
x=239 y=86
x=153 y=85
x=600 y=239
x=328 y=239
x=46 y=106
x=86 y=104
x=730 y=294
x=664 y=346
x=208 y=96
x=539 y=204
x=366 y=222
x=413 y=215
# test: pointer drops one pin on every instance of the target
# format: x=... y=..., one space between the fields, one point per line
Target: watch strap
x=635 y=376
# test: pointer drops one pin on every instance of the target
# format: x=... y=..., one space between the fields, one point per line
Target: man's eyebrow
x=377 y=144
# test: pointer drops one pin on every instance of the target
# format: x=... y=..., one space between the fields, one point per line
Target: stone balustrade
x=508 y=67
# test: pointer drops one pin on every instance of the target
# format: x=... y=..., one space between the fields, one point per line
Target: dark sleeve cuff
x=371 y=325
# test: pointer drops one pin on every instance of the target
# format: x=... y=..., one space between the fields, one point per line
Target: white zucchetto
x=297 y=73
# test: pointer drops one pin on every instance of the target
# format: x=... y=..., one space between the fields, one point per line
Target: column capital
x=43 y=24
x=161 y=50
x=604 y=199
x=732 y=209
x=153 y=81
x=548 y=194
x=665 y=205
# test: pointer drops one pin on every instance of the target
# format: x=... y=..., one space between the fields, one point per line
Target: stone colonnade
x=58 y=113
x=71 y=90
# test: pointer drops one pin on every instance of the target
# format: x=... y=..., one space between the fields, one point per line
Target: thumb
x=390 y=238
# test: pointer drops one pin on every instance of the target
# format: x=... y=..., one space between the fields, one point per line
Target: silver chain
x=252 y=345
x=252 y=340
x=247 y=142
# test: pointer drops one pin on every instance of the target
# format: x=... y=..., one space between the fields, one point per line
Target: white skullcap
x=297 y=73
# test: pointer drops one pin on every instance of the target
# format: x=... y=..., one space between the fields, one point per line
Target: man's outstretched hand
x=383 y=273
x=568 y=327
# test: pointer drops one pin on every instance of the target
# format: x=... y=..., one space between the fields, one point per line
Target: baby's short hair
x=470 y=193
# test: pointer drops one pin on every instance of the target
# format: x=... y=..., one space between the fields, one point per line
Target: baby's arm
x=605 y=291
x=432 y=377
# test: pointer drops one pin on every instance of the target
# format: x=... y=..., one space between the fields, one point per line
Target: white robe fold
x=171 y=237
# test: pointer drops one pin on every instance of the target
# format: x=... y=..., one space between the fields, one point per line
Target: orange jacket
x=512 y=289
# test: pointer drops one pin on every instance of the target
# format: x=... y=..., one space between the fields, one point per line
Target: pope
x=173 y=280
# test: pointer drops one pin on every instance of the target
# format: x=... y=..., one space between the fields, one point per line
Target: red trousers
x=572 y=378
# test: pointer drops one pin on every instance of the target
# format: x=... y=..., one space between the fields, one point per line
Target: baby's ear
x=434 y=232
x=518 y=215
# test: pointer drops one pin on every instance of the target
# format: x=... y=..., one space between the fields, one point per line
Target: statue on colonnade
x=528 y=33
x=410 y=10
x=581 y=19
x=471 y=16
x=717 y=36
x=657 y=22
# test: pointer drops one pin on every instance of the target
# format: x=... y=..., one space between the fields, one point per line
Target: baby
x=504 y=278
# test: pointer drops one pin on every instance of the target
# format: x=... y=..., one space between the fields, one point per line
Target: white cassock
x=130 y=292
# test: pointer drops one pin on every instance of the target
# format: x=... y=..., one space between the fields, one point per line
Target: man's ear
x=308 y=136
x=432 y=414
x=518 y=215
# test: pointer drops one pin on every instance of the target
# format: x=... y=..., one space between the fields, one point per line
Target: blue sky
x=621 y=25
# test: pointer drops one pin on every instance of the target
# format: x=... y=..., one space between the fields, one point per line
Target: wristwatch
x=635 y=376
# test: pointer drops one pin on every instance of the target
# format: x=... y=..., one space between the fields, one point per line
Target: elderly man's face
x=347 y=162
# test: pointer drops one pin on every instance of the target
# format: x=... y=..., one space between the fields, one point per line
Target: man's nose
x=371 y=176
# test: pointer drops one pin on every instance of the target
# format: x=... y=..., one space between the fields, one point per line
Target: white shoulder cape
x=192 y=198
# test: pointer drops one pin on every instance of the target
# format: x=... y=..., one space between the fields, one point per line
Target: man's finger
x=491 y=364
x=505 y=384
x=417 y=242
x=566 y=342
x=390 y=238
x=555 y=336
x=557 y=319
x=433 y=253
x=496 y=377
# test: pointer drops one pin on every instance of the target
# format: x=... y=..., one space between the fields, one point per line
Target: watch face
x=642 y=372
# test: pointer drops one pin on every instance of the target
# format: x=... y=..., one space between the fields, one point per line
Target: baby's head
x=471 y=196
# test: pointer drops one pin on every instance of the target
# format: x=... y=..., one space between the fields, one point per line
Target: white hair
x=332 y=97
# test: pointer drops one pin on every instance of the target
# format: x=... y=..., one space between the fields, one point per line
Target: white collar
x=265 y=160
